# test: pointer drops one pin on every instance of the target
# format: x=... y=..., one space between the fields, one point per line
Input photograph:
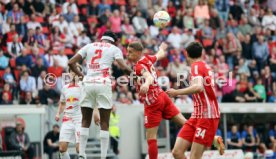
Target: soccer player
x=199 y=131
x=157 y=104
x=71 y=122
x=97 y=85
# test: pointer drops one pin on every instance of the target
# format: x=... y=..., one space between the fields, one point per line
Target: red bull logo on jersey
x=72 y=99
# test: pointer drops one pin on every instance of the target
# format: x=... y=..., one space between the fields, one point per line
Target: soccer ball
x=161 y=19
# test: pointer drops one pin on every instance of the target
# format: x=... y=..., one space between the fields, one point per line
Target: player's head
x=134 y=51
x=20 y=125
x=56 y=128
x=109 y=37
x=250 y=128
x=234 y=128
x=194 y=50
x=72 y=74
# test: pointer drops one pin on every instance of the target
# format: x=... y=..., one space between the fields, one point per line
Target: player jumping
x=71 y=122
x=97 y=89
x=157 y=104
x=200 y=129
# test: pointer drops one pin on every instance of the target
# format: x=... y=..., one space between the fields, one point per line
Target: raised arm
x=123 y=65
x=162 y=51
x=73 y=64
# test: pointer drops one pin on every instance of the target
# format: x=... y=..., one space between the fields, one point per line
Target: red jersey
x=146 y=63
x=205 y=102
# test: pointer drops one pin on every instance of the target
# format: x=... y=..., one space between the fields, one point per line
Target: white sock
x=64 y=155
x=104 y=136
x=84 y=132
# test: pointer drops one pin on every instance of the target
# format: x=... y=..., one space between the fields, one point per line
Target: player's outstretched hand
x=79 y=78
x=57 y=117
x=97 y=122
x=96 y=116
x=144 y=88
x=163 y=46
x=171 y=92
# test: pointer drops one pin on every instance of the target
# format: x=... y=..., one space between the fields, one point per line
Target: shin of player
x=84 y=131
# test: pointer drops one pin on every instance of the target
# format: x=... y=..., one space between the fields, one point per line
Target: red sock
x=152 y=149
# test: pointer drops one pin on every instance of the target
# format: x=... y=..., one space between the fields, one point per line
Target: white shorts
x=70 y=131
x=96 y=95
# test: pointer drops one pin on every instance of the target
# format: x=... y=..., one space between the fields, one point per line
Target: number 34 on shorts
x=200 y=133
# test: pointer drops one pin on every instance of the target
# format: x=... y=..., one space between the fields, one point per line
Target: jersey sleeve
x=83 y=51
x=139 y=69
x=152 y=58
x=197 y=70
x=118 y=54
x=243 y=134
x=62 y=95
x=229 y=136
x=218 y=132
x=255 y=133
x=271 y=133
x=239 y=135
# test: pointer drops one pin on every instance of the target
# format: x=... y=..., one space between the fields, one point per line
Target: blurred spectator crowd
x=251 y=139
x=39 y=36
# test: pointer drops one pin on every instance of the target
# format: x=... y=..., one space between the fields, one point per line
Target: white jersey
x=99 y=58
x=71 y=94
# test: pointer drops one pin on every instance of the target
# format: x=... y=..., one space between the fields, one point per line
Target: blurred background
x=39 y=36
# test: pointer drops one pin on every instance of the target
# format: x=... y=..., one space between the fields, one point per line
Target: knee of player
x=104 y=125
x=151 y=135
x=85 y=123
x=62 y=148
x=176 y=153
x=194 y=155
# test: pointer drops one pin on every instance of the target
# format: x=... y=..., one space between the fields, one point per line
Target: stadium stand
x=38 y=37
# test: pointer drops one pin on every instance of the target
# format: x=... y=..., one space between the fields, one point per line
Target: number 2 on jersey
x=98 y=55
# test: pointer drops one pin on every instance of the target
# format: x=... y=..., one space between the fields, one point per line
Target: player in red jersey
x=199 y=131
x=157 y=104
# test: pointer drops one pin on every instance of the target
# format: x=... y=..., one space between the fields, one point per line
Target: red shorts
x=162 y=108
x=200 y=130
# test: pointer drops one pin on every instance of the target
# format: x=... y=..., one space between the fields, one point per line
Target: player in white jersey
x=97 y=85
x=71 y=121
